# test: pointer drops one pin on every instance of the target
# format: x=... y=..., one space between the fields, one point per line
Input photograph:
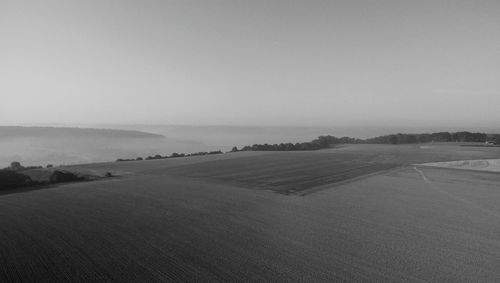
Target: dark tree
x=11 y=179
x=15 y=165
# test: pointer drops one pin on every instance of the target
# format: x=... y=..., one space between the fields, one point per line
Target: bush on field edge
x=10 y=179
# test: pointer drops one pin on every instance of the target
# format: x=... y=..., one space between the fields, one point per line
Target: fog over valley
x=76 y=144
x=249 y=141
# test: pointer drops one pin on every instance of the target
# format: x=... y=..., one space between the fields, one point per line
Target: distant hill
x=59 y=132
x=40 y=146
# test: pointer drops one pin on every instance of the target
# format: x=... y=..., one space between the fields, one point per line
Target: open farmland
x=286 y=173
x=297 y=172
x=492 y=165
x=212 y=218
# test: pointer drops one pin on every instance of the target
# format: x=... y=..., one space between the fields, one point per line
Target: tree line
x=173 y=155
x=319 y=143
x=327 y=141
x=424 y=138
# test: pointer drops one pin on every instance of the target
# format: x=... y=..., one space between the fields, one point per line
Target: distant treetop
x=329 y=141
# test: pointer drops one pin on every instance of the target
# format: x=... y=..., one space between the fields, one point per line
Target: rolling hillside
x=166 y=220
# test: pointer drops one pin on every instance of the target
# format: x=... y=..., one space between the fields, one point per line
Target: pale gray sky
x=249 y=62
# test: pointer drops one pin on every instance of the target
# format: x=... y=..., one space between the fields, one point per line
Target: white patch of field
x=490 y=165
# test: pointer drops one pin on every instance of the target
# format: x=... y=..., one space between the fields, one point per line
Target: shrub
x=63 y=176
x=11 y=179
x=15 y=165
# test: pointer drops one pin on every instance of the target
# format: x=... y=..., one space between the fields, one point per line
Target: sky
x=234 y=62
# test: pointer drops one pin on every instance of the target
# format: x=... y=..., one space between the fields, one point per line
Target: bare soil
x=168 y=220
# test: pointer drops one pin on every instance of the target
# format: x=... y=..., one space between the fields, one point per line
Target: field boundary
x=347 y=181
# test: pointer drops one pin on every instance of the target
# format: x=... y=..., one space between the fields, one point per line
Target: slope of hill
x=166 y=220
